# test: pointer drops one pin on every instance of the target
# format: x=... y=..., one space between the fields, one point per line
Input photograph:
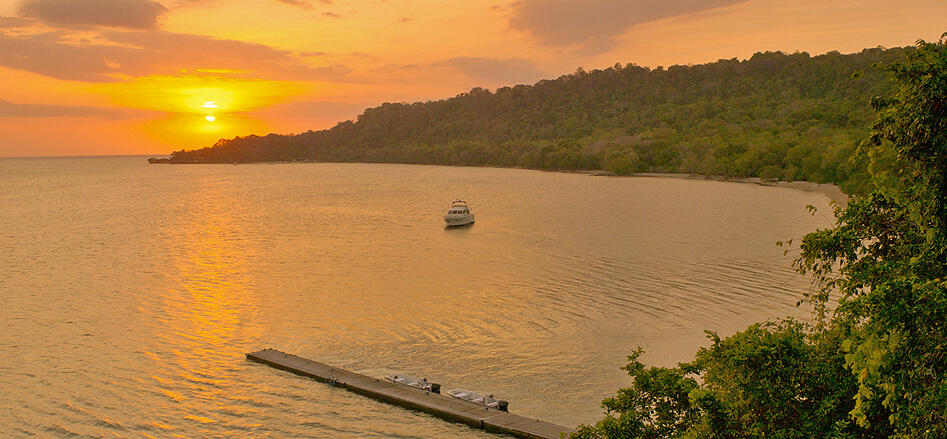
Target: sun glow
x=185 y=100
x=197 y=94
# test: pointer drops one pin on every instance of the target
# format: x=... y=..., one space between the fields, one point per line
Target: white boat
x=459 y=214
x=476 y=398
x=418 y=383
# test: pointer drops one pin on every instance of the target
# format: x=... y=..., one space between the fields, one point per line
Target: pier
x=453 y=409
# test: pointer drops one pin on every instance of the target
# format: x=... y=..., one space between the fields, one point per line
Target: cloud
x=302 y=4
x=142 y=53
x=318 y=110
x=44 y=55
x=132 y=14
x=403 y=20
x=447 y=76
x=331 y=15
x=311 y=115
x=592 y=25
x=15 y=22
x=297 y=3
x=187 y=94
x=334 y=73
x=9 y=109
x=497 y=71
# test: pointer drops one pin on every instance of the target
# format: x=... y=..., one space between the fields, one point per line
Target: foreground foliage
x=791 y=117
x=876 y=364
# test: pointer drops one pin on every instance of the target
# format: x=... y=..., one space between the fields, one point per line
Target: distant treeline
x=775 y=116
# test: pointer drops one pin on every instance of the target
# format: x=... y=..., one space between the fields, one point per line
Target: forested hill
x=792 y=117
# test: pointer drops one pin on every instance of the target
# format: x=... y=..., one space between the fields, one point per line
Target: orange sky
x=89 y=77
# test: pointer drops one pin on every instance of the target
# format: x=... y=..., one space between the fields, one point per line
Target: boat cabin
x=459 y=208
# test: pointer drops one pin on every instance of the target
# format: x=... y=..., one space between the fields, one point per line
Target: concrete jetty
x=453 y=409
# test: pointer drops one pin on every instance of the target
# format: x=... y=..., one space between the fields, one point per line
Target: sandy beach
x=829 y=190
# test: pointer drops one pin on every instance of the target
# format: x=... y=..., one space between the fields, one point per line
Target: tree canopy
x=775 y=115
x=875 y=364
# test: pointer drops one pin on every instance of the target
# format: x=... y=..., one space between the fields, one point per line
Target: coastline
x=829 y=190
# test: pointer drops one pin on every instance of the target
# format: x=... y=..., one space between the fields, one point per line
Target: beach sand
x=829 y=190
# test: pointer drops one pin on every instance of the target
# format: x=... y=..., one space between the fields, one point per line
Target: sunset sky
x=90 y=77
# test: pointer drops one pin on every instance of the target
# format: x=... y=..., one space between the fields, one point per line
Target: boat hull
x=481 y=400
x=458 y=220
x=410 y=381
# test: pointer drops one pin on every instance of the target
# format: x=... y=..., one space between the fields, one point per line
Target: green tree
x=875 y=365
x=657 y=405
x=887 y=258
x=781 y=380
x=797 y=113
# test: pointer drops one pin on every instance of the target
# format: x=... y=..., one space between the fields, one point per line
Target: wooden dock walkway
x=489 y=419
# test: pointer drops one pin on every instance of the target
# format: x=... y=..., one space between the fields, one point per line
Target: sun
x=210 y=105
x=198 y=110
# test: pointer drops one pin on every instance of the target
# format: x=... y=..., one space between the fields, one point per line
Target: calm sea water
x=132 y=292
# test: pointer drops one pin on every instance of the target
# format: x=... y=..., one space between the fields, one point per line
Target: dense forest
x=872 y=363
x=774 y=116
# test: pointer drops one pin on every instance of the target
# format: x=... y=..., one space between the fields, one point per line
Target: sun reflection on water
x=205 y=322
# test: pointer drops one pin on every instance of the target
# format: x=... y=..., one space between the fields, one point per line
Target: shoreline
x=828 y=189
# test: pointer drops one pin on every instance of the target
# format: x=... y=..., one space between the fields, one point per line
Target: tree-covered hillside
x=872 y=363
x=792 y=117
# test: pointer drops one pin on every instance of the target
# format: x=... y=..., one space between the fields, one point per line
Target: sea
x=132 y=292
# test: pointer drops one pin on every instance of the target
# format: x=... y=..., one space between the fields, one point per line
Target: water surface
x=132 y=292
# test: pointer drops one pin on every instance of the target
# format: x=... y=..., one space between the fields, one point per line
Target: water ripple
x=133 y=292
